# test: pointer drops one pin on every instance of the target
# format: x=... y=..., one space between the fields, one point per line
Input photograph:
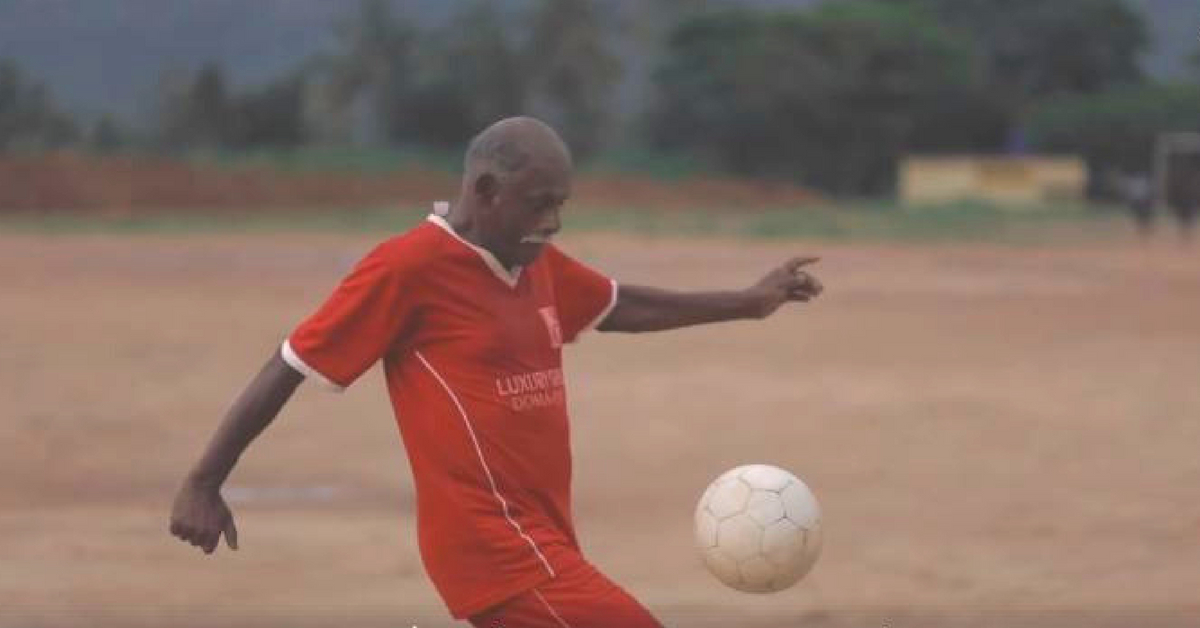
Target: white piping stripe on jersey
x=483 y=462
x=294 y=361
x=560 y=620
x=612 y=303
x=489 y=260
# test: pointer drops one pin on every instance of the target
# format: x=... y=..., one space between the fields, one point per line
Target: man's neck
x=461 y=223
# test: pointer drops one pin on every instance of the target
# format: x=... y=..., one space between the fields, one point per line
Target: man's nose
x=551 y=222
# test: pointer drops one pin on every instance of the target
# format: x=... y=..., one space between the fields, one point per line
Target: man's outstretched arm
x=200 y=515
x=640 y=308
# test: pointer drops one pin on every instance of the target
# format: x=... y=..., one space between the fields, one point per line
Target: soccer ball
x=758 y=528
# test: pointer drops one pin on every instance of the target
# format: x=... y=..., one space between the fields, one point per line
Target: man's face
x=523 y=213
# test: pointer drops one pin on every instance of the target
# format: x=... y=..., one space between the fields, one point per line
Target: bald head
x=512 y=145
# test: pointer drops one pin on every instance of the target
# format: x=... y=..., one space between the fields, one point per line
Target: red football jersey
x=472 y=355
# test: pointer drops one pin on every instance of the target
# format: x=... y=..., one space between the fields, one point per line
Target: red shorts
x=579 y=597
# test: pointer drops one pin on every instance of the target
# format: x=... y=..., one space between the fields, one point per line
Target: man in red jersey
x=468 y=313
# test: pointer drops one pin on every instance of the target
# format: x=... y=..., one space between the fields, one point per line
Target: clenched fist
x=200 y=517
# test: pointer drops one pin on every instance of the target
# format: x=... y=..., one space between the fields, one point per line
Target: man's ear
x=486 y=187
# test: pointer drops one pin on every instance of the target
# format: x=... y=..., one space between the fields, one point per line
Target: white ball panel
x=765 y=507
x=807 y=558
x=757 y=575
x=766 y=477
x=706 y=529
x=783 y=543
x=739 y=537
x=728 y=498
x=814 y=540
x=723 y=567
x=800 y=505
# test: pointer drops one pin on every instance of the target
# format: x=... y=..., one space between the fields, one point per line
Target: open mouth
x=535 y=239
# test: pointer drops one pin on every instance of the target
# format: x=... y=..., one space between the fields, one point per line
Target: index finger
x=231 y=535
x=797 y=263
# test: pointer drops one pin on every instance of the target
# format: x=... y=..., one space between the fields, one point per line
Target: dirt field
x=999 y=436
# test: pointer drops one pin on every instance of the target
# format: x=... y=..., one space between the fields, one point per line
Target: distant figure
x=1136 y=191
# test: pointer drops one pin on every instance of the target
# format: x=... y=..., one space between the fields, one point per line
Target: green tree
x=1116 y=129
x=107 y=135
x=828 y=97
x=1032 y=49
x=270 y=116
x=202 y=113
x=572 y=70
x=376 y=64
x=470 y=74
x=29 y=118
x=198 y=113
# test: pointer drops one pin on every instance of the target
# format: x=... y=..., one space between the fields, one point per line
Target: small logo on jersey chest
x=550 y=318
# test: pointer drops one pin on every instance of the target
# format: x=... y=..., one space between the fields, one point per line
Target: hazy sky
x=108 y=55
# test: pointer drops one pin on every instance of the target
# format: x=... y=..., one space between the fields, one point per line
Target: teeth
x=535 y=239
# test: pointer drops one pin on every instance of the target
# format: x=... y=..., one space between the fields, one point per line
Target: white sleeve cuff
x=612 y=302
x=294 y=361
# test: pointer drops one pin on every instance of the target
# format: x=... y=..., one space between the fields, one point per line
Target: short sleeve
x=583 y=296
x=358 y=323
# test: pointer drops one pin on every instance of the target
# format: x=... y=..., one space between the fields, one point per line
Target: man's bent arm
x=640 y=308
x=200 y=515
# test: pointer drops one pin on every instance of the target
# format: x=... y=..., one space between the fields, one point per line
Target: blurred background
x=849 y=99
x=996 y=400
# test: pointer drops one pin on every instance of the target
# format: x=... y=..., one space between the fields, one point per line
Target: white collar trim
x=489 y=260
